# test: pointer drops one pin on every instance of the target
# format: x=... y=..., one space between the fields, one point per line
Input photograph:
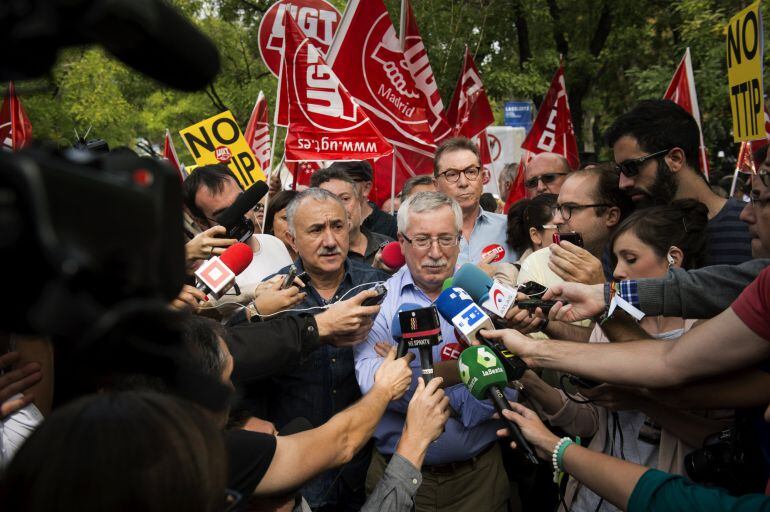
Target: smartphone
x=573 y=238
x=532 y=289
x=304 y=277
x=289 y=279
x=533 y=304
x=583 y=382
x=377 y=299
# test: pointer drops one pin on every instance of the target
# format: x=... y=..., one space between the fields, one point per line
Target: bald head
x=551 y=169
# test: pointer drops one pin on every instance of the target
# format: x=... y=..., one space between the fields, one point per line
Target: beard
x=663 y=189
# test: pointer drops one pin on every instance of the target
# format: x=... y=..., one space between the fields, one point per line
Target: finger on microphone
x=409 y=357
x=391 y=354
x=434 y=384
x=420 y=384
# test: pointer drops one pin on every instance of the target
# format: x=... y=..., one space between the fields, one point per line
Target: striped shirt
x=729 y=239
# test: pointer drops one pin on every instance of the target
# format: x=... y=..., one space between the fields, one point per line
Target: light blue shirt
x=490 y=228
x=466 y=434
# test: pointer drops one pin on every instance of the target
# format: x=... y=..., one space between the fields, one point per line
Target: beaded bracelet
x=558 y=455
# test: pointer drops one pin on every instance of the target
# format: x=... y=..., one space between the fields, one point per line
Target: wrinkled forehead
x=440 y=221
x=457 y=159
x=313 y=210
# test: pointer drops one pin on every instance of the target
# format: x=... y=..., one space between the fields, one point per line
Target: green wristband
x=560 y=453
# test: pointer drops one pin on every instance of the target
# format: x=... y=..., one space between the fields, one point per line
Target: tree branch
x=603 y=29
x=558 y=30
x=522 y=33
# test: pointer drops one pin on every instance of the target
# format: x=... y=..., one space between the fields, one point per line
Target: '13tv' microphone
x=395 y=328
x=489 y=294
x=233 y=218
x=456 y=306
x=420 y=328
x=482 y=373
x=217 y=274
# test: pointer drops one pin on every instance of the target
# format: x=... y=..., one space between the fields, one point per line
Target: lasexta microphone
x=421 y=329
x=392 y=256
x=234 y=217
x=217 y=274
x=491 y=295
x=455 y=306
x=484 y=375
x=395 y=328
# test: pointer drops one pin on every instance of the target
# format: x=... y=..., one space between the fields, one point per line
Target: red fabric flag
x=518 y=191
x=257 y=133
x=169 y=153
x=15 y=128
x=366 y=56
x=325 y=123
x=419 y=67
x=301 y=172
x=745 y=162
x=408 y=164
x=483 y=142
x=469 y=112
x=681 y=91
x=552 y=131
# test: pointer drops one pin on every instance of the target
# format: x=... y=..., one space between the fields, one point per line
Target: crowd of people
x=647 y=349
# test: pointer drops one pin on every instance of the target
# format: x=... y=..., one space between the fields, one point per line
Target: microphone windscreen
x=245 y=201
x=448 y=283
x=392 y=255
x=237 y=257
x=474 y=281
x=479 y=369
x=451 y=302
x=395 y=325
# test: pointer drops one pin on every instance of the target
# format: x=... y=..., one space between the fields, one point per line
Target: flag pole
x=393 y=181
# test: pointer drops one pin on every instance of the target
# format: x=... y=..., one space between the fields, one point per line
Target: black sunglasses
x=546 y=178
x=630 y=168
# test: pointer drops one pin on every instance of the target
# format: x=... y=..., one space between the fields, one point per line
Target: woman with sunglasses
x=625 y=422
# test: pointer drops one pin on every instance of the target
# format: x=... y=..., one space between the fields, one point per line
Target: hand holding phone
x=377 y=299
x=532 y=304
x=289 y=279
x=573 y=238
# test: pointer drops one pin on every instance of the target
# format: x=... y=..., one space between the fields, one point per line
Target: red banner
x=15 y=128
x=419 y=67
x=552 y=131
x=469 y=112
x=324 y=121
x=169 y=153
x=366 y=56
x=257 y=133
x=518 y=191
x=681 y=91
x=408 y=164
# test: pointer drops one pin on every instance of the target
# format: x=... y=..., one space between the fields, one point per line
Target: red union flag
x=469 y=112
x=169 y=153
x=518 y=191
x=407 y=164
x=681 y=91
x=257 y=133
x=417 y=62
x=552 y=131
x=324 y=121
x=15 y=128
x=366 y=55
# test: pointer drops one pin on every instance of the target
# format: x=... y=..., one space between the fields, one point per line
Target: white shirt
x=15 y=429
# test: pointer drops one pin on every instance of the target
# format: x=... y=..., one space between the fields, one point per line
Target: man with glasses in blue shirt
x=545 y=173
x=458 y=173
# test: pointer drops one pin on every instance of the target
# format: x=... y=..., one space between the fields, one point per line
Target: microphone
x=455 y=306
x=482 y=373
x=496 y=298
x=217 y=274
x=233 y=218
x=392 y=256
x=395 y=328
x=448 y=283
x=420 y=328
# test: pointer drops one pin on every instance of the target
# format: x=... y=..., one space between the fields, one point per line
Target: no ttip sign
x=318 y=19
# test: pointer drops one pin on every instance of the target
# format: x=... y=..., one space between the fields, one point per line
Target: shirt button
x=311 y=328
x=414 y=481
x=334 y=360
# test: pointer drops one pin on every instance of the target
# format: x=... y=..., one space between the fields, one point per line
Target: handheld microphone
x=420 y=328
x=392 y=256
x=484 y=375
x=455 y=306
x=496 y=298
x=395 y=328
x=233 y=218
x=448 y=283
x=217 y=274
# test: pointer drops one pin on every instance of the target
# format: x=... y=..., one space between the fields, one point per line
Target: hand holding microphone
x=207 y=244
x=217 y=275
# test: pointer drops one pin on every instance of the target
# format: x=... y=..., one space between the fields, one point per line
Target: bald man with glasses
x=545 y=173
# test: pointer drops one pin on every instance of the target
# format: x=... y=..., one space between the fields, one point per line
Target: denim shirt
x=325 y=383
x=489 y=230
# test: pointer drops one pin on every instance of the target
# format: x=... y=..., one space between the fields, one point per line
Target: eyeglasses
x=630 y=168
x=259 y=207
x=424 y=242
x=453 y=175
x=566 y=209
x=546 y=178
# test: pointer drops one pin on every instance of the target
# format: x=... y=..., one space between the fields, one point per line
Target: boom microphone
x=493 y=296
x=233 y=218
x=420 y=328
x=484 y=375
x=217 y=274
x=456 y=306
x=395 y=328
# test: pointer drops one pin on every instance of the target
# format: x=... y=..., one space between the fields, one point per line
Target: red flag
x=257 y=133
x=552 y=131
x=483 y=143
x=407 y=164
x=469 y=112
x=15 y=128
x=301 y=171
x=366 y=56
x=169 y=153
x=745 y=162
x=422 y=73
x=681 y=91
x=518 y=191
x=324 y=121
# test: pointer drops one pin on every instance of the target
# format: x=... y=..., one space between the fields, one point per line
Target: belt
x=451 y=467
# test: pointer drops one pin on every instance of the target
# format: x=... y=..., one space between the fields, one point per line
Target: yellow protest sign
x=745 y=48
x=218 y=140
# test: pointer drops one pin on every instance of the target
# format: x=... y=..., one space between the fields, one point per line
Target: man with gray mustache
x=324 y=383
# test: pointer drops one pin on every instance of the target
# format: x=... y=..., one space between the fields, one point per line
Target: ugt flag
x=257 y=133
x=15 y=128
x=469 y=112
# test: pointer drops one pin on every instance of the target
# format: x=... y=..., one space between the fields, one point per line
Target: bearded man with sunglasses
x=458 y=173
x=656 y=152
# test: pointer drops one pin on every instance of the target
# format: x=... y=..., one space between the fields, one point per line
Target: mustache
x=329 y=251
x=436 y=263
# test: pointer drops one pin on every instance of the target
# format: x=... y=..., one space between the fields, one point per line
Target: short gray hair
x=428 y=202
x=315 y=193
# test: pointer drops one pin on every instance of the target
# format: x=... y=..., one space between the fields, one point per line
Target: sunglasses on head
x=546 y=178
x=630 y=168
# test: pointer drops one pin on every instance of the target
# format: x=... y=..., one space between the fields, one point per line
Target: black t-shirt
x=249 y=455
x=380 y=222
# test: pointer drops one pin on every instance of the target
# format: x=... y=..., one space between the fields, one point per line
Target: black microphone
x=420 y=329
x=233 y=218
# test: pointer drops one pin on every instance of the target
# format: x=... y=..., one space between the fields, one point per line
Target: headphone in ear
x=670 y=258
